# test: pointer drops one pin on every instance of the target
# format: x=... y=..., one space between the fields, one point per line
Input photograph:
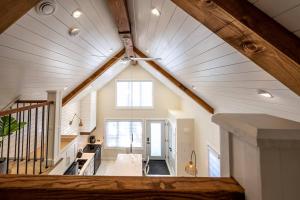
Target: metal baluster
x=35 y=139
x=47 y=137
x=8 y=144
x=18 y=156
x=2 y=143
x=23 y=134
x=28 y=138
x=16 y=133
x=42 y=139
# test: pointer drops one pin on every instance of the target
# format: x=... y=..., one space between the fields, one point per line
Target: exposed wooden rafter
x=120 y=13
x=12 y=10
x=253 y=33
x=171 y=78
x=92 y=77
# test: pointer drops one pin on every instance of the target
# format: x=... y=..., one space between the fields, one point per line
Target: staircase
x=25 y=138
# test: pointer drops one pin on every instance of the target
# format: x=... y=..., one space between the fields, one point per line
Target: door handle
x=148 y=140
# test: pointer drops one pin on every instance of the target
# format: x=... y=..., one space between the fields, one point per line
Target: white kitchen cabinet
x=89 y=170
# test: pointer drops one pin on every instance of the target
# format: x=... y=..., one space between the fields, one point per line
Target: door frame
x=163 y=139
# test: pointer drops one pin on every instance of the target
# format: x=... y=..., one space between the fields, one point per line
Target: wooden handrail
x=31 y=101
x=16 y=110
x=85 y=187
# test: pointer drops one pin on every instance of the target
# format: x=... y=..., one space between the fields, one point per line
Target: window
x=213 y=163
x=121 y=133
x=134 y=94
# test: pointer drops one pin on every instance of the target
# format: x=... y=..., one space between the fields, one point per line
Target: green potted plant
x=4 y=132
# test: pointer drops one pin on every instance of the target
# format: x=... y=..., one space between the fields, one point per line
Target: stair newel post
x=53 y=127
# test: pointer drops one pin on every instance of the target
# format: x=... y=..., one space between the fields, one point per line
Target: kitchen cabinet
x=89 y=169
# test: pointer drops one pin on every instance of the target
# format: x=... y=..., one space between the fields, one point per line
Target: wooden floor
x=13 y=169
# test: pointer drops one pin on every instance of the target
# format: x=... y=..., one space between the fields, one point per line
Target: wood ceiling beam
x=92 y=77
x=171 y=78
x=253 y=33
x=12 y=10
x=119 y=11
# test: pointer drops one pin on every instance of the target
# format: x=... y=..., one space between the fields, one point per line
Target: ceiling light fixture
x=76 y=14
x=65 y=88
x=155 y=12
x=264 y=93
x=110 y=50
x=147 y=50
x=194 y=87
x=74 y=31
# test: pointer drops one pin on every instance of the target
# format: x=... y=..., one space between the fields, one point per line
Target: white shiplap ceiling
x=37 y=53
x=226 y=79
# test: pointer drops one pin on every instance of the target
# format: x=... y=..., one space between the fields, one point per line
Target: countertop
x=126 y=165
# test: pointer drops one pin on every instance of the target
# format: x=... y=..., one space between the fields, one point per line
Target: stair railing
x=25 y=137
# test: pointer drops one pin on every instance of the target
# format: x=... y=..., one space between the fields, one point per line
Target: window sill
x=133 y=108
x=123 y=148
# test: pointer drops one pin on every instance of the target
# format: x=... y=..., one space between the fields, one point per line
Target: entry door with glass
x=155 y=139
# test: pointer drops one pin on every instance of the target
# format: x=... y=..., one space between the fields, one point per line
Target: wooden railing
x=28 y=125
x=97 y=187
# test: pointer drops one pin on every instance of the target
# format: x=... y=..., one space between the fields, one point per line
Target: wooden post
x=54 y=125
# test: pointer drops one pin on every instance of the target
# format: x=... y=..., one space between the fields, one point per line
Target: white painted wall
x=206 y=133
x=68 y=112
x=88 y=112
x=164 y=99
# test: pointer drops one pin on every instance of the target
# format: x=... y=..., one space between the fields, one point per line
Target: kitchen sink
x=81 y=162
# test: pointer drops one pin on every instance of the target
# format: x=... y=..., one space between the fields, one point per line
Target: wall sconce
x=191 y=167
x=80 y=120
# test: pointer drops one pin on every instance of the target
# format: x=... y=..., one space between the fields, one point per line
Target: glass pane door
x=156 y=136
x=155 y=140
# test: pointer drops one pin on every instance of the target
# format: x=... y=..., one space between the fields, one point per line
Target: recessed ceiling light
x=76 y=13
x=194 y=87
x=74 y=31
x=147 y=50
x=65 y=88
x=264 y=93
x=110 y=50
x=155 y=12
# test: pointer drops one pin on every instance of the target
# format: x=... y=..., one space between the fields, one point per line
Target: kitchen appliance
x=79 y=153
x=94 y=148
x=92 y=139
x=73 y=169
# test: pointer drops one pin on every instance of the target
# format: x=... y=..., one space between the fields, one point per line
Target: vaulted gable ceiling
x=197 y=57
x=38 y=54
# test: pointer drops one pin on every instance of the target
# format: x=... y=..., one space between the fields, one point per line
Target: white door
x=171 y=147
x=155 y=139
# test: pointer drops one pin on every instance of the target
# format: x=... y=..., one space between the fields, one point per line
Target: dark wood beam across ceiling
x=253 y=33
x=92 y=77
x=12 y=10
x=171 y=78
x=119 y=11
